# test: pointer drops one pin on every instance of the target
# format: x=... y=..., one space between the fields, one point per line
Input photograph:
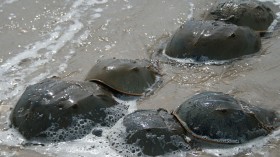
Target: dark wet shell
x=219 y=118
x=132 y=77
x=249 y=13
x=212 y=40
x=155 y=131
x=54 y=102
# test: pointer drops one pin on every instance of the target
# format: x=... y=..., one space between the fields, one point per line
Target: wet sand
x=63 y=38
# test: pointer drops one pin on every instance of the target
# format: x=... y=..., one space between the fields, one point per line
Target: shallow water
x=66 y=38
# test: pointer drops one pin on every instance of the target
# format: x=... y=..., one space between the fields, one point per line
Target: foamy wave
x=253 y=146
x=205 y=60
x=190 y=15
x=15 y=76
x=7 y=2
x=90 y=145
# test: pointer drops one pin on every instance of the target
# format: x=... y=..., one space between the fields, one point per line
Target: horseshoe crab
x=251 y=13
x=212 y=40
x=213 y=117
x=156 y=132
x=61 y=110
x=131 y=77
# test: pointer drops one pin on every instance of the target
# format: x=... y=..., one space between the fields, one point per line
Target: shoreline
x=57 y=40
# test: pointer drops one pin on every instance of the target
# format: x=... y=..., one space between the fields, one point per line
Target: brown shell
x=215 y=117
x=132 y=77
x=212 y=40
x=251 y=13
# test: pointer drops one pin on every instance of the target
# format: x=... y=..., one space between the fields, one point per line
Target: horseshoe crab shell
x=212 y=40
x=215 y=117
x=249 y=13
x=57 y=104
x=132 y=77
x=155 y=131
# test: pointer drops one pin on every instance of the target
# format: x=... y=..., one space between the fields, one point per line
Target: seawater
x=67 y=29
x=58 y=35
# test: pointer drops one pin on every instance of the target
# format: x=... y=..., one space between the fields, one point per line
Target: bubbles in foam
x=117 y=136
x=201 y=60
x=132 y=106
x=115 y=113
x=78 y=129
x=80 y=126
x=255 y=146
x=91 y=144
x=125 y=144
x=176 y=141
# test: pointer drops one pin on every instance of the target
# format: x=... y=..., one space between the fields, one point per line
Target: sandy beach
x=65 y=38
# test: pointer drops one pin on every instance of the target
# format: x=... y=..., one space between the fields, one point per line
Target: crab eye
x=232 y=35
x=75 y=106
x=136 y=69
x=222 y=110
